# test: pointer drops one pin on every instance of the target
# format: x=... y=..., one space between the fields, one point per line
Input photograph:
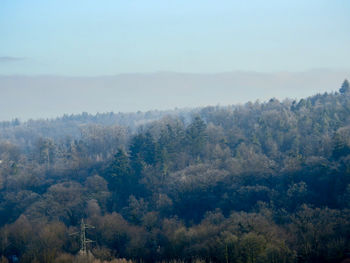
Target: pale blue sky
x=90 y=37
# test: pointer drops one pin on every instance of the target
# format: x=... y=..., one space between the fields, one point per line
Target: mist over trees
x=259 y=182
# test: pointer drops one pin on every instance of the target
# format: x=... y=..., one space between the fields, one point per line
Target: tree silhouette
x=345 y=87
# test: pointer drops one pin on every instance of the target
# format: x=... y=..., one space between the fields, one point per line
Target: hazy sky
x=50 y=96
x=89 y=37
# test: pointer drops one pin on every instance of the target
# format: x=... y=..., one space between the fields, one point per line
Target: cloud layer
x=5 y=59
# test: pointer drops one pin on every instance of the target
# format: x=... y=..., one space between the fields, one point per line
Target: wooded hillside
x=259 y=182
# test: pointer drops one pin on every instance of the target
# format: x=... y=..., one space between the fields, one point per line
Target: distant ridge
x=50 y=96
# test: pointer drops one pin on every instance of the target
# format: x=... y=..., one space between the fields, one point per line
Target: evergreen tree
x=196 y=136
x=345 y=87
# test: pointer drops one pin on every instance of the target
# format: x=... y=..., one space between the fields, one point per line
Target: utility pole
x=83 y=240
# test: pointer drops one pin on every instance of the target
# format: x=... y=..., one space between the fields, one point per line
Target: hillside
x=259 y=182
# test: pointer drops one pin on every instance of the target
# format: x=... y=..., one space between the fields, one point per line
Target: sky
x=107 y=37
x=73 y=56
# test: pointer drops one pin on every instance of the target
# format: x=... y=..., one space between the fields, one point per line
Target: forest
x=253 y=183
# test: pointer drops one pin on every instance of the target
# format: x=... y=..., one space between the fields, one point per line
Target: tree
x=252 y=245
x=142 y=151
x=345 y=87
x=120 y=178
x=196 y=136
x=46 y=150
x=119 y=169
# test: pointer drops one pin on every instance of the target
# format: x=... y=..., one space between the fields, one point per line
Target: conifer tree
x=345 y=87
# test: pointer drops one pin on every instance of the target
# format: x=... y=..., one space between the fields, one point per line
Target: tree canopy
x=259 y=182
